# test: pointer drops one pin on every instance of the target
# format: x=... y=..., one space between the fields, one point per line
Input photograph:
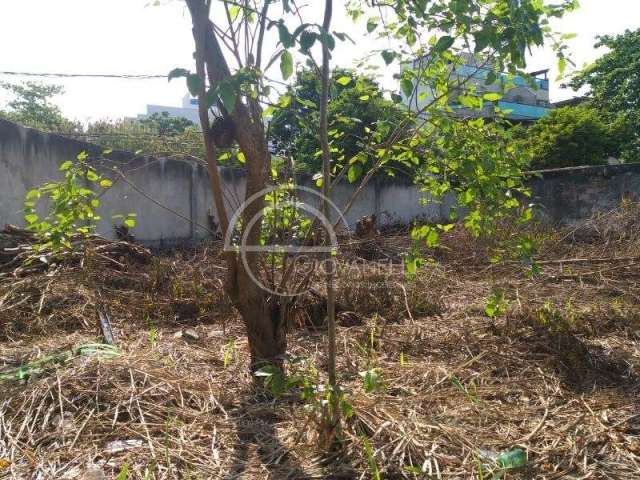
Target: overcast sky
x=129 y=37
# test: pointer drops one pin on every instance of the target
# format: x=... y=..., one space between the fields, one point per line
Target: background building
x=188 y=110
x=526 y=100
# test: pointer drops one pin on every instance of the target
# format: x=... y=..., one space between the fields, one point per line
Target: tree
x=571 y=136
x=614 y=82
x=164 y=124
x=238 y=86
x=31 y=106
x=357 y=108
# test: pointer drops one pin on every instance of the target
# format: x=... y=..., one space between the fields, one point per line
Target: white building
x=188 y=110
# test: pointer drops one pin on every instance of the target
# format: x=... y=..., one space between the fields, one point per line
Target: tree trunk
x=260 y=312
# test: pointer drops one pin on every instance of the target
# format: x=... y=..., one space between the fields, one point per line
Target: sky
x=132 y=37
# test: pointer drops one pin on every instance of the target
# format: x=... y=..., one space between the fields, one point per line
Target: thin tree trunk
x=326 y=191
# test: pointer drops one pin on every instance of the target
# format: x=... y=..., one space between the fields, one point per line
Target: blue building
x=523 y=99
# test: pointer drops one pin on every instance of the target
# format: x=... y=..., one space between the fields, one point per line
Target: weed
x=152 y=335
x=123 y=474
x=229 y=353
x=371 y=461
x=372 y=380
x=496 y=305
x=471 y=394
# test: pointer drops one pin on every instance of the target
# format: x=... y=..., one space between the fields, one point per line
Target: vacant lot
x=553 y=371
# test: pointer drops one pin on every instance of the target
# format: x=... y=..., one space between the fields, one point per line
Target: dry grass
x=557 y=375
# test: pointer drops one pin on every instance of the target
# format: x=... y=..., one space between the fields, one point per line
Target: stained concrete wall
x=568 y=195
x=173 y=200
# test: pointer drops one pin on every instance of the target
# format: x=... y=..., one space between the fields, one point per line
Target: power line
x=85 y=75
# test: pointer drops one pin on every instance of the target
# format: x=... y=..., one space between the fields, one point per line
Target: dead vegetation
x=556 y=375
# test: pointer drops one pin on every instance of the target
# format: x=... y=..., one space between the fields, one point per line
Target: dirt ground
x=554 y=373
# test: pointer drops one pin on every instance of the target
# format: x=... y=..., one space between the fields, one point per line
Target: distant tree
x=580 y=135
x=31 y=106
x=357 y=108
x=164 y=124
x=614 y=83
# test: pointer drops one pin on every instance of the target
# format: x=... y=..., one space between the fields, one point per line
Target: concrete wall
x=28 y=158
x=567 y=195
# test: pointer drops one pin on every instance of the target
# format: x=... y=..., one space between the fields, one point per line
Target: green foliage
x=477 y=164
x=572 y=136
x=374 y=470
x=229 y=353
x=614 y=78
x=358 y=115
x=31 y=106
x=72 y=205
x=614 y=82
x=164 y=124
x=372 y=380
x=319 y=398
x=496 y=305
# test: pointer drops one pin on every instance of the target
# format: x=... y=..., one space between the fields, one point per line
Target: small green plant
x=553 y=320
x=319 y=398
x=152 y=335
x=72 y=205
x=372 y=380
x=229 y=353
x=497 y=305
x=124 y=472
x=371 y=461
x=471 y=393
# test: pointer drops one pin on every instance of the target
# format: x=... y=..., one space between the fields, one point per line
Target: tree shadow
x=255 y=424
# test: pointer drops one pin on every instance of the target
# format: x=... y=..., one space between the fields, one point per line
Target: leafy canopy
x=572 y=136
x=357 y=109
x=614 y=83
x=32 y=106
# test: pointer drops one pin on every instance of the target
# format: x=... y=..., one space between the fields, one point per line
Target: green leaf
x=444 y=43
x=286 y=38
x=31 y=194
x=344 y=81
x=234 y=11
x=354 y=172
x=562 y=65
x=307 y=39
x=407 y=87
x=193 y=84
x=66 y=165
x=178 y=72
x=372 y=24
x=388 y=56
x=31 y=218
x=492 y=97
x=491 y=78
x=105 y=183
x=228 y=96
x=482 y=39
x=130 y=222
x=82 y=156
x=241 y=158
x=286 y=64
x=433 y=238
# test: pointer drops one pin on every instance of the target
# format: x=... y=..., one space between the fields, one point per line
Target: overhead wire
x=86 y=75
